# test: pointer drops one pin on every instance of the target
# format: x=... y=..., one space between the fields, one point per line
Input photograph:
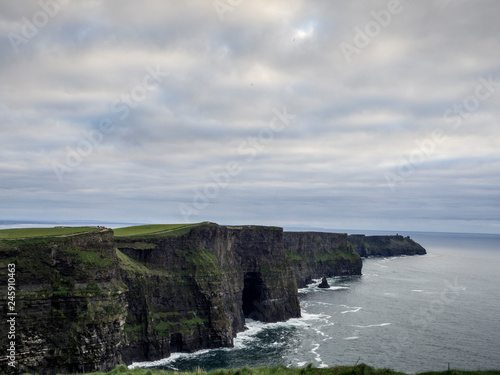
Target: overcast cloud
x=338 y=114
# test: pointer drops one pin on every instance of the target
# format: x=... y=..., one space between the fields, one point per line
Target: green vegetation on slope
x=337 y=253
x=333 y=255
x=361 y=369
x=90 y=257
x=42 y=232
x=139 y=230
x=134 y=266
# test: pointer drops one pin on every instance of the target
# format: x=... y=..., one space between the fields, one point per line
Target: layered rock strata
x=70 y=304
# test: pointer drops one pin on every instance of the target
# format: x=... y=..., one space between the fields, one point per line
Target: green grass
x=132 y=265
x=202 y=259
x=336 y=254
x=361 y=369
x=330 y=255
x=42 y=232
x=147 y=229
x=92 y=257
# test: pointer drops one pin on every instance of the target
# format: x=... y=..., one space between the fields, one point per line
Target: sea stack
x=324 y=283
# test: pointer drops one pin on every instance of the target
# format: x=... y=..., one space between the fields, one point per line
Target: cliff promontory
x=367 y=246
x=193 y=291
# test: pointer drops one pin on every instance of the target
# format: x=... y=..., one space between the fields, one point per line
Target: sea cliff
x=316 y=254
x=368 y=246
x=193 y=291
x=70 y=303
x=91 y=300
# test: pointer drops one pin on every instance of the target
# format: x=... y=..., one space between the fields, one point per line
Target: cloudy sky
x=334 y=114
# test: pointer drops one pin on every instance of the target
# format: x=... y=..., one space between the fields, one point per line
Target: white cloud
x=222 y=81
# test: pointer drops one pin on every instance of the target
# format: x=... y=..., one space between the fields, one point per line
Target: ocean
x=411 y=314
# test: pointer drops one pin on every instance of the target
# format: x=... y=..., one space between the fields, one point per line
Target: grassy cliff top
x=42 y=232
x=155 y=229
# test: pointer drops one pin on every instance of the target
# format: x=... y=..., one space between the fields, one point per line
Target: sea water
x=410 y=313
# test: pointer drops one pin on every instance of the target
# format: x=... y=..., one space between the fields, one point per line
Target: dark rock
x=367 y=246
x=70 y=304
x=316 y=254
x=324 y=284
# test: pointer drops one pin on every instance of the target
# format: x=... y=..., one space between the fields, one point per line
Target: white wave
x=319 y=332
x=317 y=357
x=320 y=316
x=354 y=309
x=417 y=290
x=372 y=325
x=254 y=327
x=313 y=288
x=242 y=339
x=166 y=361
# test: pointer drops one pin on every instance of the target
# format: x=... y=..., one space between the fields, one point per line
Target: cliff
x=316 y=254
x=193 y=291
x=367 y=246
x=88 y=301
x=69 y=300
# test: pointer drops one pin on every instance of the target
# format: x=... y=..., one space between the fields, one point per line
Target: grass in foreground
x=147 y=229
x=361 y=369
x=41 y=232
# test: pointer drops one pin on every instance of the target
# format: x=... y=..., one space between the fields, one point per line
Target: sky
x=333 y=114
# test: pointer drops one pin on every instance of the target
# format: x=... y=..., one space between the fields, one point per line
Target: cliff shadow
x=253 y=294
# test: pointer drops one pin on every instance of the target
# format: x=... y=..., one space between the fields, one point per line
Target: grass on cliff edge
x=361 y=369
x=138 y=230
x=42 y=232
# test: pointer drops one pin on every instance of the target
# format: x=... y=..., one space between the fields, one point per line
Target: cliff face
x=367 y=246
x=69 y=301
x=193 y=291
x=315 y=254
x=89 y=301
